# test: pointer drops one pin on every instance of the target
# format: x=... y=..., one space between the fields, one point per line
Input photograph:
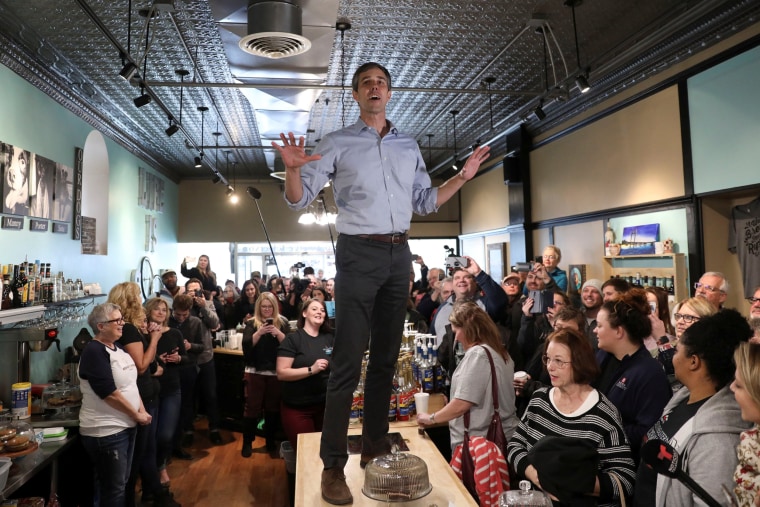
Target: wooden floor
x=219 y=475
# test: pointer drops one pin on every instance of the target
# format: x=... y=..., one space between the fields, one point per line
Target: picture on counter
x=41 y=187
x=15 y=166
x=577 y=274
x=63 y=198
x=639 y=239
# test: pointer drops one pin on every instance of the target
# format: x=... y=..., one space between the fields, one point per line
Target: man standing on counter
x=379 y=179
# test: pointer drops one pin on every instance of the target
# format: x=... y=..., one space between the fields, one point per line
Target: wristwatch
x=432 y=417
x=309 y=370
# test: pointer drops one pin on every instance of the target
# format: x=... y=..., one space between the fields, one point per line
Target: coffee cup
x=521 y=375
x=421 y=402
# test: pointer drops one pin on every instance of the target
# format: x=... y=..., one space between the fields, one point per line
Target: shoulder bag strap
x=494 y=384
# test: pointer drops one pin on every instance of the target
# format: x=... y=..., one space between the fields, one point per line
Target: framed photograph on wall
x=497 y=260
x=576 y=275
x=640 y=239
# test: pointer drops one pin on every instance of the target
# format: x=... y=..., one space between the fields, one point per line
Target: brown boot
x=334 y=487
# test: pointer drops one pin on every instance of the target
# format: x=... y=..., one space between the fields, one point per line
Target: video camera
x=452 y=262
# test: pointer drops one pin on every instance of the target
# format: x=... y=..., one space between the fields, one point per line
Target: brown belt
x=398 y=238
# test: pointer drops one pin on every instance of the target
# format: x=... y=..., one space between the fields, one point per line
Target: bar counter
x=447 y=488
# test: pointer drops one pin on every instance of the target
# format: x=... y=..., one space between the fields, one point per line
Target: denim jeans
x=168 y=418
x=112 y=459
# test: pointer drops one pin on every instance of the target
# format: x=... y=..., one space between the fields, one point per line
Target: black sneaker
x=215 y=437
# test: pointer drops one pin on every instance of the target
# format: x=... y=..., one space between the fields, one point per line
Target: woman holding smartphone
x=171 y=353
x=261 y=339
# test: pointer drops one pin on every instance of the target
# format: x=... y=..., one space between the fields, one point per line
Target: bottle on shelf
x=402 y=394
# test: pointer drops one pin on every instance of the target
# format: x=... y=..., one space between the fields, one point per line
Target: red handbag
x=494 y=434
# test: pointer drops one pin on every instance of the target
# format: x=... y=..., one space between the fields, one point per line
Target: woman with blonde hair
x=140 y=341
x=171 y=353
x=746 y=389
x=262 y=336
x=127 y=295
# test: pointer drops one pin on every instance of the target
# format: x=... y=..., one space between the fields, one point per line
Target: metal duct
x=275 y=30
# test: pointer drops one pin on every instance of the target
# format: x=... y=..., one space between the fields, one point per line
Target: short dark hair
x=630 y=311
x=194 y=280
x=582 y=359
x=365 y=67
x=714 y=339
x=618 y=284
x=182 y=302
x=571 y=314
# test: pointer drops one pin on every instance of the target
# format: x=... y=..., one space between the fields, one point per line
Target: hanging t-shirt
x=744 y=240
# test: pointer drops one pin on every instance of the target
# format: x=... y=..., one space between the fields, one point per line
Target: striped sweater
x=601 y=425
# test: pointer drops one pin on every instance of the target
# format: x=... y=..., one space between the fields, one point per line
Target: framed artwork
x=576 y=277
x=497 y=259
x=639 y=239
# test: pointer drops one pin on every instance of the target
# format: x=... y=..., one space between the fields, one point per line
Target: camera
x=542 y=300
x=522 y=267
x=198 y=293
x=452 y=262
x=302 y=284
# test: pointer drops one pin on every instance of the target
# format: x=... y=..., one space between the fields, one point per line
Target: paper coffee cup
x=521 y=375
x=421 y=402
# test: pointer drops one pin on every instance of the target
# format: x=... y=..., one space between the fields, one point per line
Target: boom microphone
x=254 y=194
x=665 y=460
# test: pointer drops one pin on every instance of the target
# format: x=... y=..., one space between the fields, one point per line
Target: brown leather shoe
x=334 y=487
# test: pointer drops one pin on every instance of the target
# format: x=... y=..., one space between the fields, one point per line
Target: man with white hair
x=712 y=286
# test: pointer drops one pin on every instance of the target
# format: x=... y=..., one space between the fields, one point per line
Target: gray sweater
x=707 y=444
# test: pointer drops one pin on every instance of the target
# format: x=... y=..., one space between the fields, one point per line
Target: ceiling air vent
x=275 y=30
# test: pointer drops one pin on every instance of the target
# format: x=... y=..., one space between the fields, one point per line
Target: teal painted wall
x=725 y=124
x=32 y=120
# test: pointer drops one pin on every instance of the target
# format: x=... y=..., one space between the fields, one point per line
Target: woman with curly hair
x=746 y=389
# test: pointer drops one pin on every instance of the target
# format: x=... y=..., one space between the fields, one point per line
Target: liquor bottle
x=654 y=281
x=645 y=281
x=428 y=376
x=357 y=404
x=438 y=386
x=407 y=370
x=402 y=394
x=672 y=285
x=7 y=301
x=416 y=371
x=17 y=284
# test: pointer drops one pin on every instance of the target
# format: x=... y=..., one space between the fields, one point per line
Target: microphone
x=662 y=457
x=253 y=193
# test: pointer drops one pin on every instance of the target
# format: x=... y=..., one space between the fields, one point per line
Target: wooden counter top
x=232 y=352
x=447 y=488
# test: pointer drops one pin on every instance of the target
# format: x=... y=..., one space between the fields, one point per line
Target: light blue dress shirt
x=377 y=182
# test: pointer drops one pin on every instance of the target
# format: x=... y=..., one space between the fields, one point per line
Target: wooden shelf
x=662 y=266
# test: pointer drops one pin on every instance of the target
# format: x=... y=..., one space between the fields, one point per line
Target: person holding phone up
x=262 y=336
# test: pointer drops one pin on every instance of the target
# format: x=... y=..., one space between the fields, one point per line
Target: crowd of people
x=151 y=370
x=593 y=383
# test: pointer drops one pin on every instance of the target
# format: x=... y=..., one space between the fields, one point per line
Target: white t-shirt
x=96 y=417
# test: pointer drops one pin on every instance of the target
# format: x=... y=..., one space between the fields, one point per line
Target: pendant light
x=581 y=80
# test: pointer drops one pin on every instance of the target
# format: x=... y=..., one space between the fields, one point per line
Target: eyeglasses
x=552 y=257
x=686 y=318
x=510 y=282
x=120 y=320
x=752 y=301
x=548 y=361
x=708 y=288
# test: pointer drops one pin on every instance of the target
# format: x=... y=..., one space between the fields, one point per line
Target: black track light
x=172 y=129
x=198 y=163
x=142 y=100
x=216 y=179
x=582 y=83
x=128 y=71
x=539 y=112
